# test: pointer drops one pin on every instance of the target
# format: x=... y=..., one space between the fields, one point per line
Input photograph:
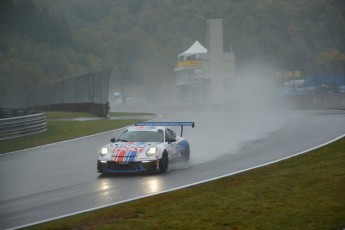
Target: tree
x=332 y=60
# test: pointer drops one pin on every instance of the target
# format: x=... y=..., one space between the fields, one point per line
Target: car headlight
x=104 y=151
x=152 y=151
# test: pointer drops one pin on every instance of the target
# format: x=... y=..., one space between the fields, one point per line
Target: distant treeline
x=23 y=19
x=44 y=41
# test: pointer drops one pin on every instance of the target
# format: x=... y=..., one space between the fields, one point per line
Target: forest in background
x=45 y=41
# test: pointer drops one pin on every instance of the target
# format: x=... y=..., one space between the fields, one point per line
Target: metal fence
x=85 y=92
x=322 y=101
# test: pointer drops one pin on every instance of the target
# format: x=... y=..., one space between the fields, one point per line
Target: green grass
x=67 y=115
x=65 y=130
x=71 y=115
x=304 y=192
x=119 y=114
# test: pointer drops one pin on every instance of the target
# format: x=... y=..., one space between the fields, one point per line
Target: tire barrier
x=20 y=125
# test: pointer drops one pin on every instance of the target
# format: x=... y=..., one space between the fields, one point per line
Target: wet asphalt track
x=60 y=179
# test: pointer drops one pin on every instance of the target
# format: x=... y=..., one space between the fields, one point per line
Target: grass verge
x=60 y=130
x=71 y=115
x=304 y=192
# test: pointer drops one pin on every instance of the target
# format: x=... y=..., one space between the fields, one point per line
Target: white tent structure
x=196 y=48
x=190 y=81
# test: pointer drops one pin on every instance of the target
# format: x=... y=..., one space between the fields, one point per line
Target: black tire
x=164 y=163
x=186 y=155
x=99 y=168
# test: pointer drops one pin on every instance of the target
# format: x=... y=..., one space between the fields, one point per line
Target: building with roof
x=204 y=74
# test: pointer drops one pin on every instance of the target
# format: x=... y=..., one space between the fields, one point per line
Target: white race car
x=147 y=146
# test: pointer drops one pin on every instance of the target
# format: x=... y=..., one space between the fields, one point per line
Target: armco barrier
x=22 y=125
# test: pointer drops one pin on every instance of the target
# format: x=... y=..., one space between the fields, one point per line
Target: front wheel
x=164 y=163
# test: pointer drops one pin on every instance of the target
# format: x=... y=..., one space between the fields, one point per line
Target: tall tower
x=215 y=38
x=221 y=64
x=215 y=57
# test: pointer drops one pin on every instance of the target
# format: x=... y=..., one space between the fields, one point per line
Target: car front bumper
x=128 y=167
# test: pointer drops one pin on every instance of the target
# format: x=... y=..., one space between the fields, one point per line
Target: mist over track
x=60 y=179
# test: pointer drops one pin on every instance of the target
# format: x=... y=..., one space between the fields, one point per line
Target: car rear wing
x=167 y=123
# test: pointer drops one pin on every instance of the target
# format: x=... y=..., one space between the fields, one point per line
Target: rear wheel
x=164 y=163
x=185 y=155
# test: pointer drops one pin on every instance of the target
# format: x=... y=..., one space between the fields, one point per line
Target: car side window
x=169 y=134
x=173 y=134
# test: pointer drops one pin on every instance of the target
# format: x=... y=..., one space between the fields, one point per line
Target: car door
x=171 y=146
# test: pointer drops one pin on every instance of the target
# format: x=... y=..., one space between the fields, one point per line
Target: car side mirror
x=171 y=140
x=113 y=139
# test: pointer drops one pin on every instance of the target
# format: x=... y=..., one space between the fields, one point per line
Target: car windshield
x=141 y=136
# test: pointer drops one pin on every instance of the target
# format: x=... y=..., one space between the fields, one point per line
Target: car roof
x=146 y=128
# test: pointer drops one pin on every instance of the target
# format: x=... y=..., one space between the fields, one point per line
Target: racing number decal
x=127 y=152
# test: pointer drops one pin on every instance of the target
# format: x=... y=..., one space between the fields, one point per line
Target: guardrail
x=22 y=125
